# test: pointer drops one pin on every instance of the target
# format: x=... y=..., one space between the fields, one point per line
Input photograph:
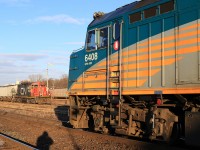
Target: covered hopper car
x=7 y=92
x=139 y=72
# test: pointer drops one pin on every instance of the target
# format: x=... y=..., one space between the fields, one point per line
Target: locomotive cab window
x=91 y=40
x=97 y=39
x=22 y=91
x=166 y=7
x=103 y=38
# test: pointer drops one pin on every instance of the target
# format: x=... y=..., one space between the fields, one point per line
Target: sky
x=40 y=34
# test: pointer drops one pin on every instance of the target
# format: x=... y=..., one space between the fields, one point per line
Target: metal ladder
x=114 y=78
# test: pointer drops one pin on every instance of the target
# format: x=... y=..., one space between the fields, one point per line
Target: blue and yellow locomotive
x=139 y=72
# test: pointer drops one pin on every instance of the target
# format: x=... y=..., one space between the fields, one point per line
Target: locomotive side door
x=115 y=60
x=115 y=70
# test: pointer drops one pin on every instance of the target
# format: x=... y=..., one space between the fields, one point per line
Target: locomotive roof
x=121 y=10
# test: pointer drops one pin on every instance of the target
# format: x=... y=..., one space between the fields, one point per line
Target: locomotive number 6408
x=91 y=57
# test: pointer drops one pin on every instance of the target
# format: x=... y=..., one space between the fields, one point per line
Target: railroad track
x=76 y=135
x=7 y=142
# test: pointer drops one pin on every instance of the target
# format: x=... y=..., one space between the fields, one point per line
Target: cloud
x=6 y=64
x=18 y=66
x=24 y=57
x=15 y=71
x=57 y=19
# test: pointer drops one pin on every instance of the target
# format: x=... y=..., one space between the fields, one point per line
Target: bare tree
x=63 y=81
x=58 y=83
x=35 y=77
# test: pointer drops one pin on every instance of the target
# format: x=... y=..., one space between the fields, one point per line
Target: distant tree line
x=60 y=83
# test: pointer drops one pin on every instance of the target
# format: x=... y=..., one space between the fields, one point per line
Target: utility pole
x=48 y=64
x=47 y=79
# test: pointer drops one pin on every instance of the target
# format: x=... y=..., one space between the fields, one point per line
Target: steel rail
x=18 y=141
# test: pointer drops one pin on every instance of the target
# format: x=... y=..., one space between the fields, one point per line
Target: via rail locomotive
x=30 y=92
x=139 y=72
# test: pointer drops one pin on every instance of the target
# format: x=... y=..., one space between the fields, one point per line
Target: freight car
x=35 y=92
x=139 y=72
x=59 y=93
x=7 y=92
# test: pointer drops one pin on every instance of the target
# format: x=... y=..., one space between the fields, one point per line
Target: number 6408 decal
x=91 y=57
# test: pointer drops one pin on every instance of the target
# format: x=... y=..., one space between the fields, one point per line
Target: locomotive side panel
x=160 y=49
x=152 y=61
x=170 y=48
x=188 y=48
x=76 y=68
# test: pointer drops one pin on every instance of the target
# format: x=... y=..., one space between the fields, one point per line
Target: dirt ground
x=12 y=145
x=49 y=132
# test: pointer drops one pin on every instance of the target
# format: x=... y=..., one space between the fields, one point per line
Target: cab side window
x=103 y=38
x=91 y=40
x=97 y=39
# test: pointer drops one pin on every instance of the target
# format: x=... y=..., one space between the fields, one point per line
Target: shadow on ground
x=62 y=113
x=44 y=141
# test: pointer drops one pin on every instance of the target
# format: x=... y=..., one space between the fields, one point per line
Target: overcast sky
x=35 y=33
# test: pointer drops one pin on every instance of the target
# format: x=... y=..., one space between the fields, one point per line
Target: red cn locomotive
x=30 y=92
x=35 y=92
x=38 y=89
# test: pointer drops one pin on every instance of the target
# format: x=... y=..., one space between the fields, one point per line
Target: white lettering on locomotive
x=90 y=57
